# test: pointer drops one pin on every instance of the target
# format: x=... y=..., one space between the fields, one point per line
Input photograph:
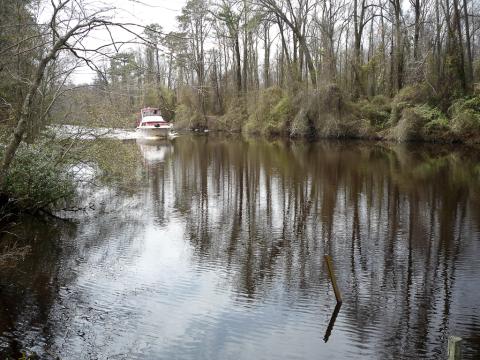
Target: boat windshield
x=150 y=112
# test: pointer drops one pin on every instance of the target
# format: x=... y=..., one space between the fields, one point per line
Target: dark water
x=212 y=248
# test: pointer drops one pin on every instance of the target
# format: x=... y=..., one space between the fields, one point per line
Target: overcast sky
x=163 y=12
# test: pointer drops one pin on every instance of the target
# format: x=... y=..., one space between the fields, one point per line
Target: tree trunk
x=239 y=66
x=468 y=44
x=399 y=46
x=461 y=65
x=170 y=65
x=21 y=127
x=438 y=40
x=308 y=58
x=357 y=60
x=416 y=36
x=245 y=49
x=266 y=59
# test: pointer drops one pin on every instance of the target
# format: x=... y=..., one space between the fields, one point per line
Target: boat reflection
x=155 y=150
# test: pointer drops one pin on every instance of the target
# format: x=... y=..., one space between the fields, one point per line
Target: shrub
x=334 y=117
x=325 y=113
x=186 y=118
x=422 y=122
x=188 y=97
x=37 y=178
x=465 y=115
x=377 y=113
x=466 y=123
x=396 y=113
x=272 y=114
x=300 y=124
x=409 y=126
x=280 y=117
x=409 y=96
x=437 y=127
x=414 y=95
x=235 y=116
x=381 y=100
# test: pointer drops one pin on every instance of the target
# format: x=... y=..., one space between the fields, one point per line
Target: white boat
x=152 y=125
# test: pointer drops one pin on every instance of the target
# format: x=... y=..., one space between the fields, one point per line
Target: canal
x=212 y=247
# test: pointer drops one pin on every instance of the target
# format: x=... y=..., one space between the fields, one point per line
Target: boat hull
x=153 y=132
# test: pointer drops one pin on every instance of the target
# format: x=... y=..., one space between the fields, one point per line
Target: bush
x=273 y=113
x=465 y=115
x=300 y=124
x=437 y=127
x=396 y=113
x=382 y=101
x=335 y=117
x=322 y=111
x=281 y=117
x=422 y=122
x=414 y=95
x=376 y=112
x=409 y=126
x=409 y=96
x=37 y=179
x=186 y=118
x=235 y=116
x=466 y=123
x=325 y=113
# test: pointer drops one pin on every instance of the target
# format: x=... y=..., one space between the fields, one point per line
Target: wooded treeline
x=296 y=67
x=274 y=66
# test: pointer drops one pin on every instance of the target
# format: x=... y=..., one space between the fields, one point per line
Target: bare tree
x=65 y=34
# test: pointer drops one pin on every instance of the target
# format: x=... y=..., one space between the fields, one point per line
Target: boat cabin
x=150 y=117
x=150 y=112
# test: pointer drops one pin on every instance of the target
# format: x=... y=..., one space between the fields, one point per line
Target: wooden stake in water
x=454 y=348
x=336 y=290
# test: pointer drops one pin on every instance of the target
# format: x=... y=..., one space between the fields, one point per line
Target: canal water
x=209 y=247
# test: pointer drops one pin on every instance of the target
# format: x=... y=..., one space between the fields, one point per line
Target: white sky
x=163 y=12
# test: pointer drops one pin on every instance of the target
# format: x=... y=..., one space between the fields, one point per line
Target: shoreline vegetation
x=362 y=69
x=413 y=115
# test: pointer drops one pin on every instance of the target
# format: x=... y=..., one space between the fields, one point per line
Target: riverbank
x=414 y=114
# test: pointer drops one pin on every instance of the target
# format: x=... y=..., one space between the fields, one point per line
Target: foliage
x=413 y=94
x=185 y=118
x=115 y=165
x=422 y=122
x=38 y=177
x=465 y=114
x=408 y=126
x=377 y=111
x=281 y=116
x=326 y=113
x=91 y=108
x=235 y=116
x=167 y=103
x=409 y=96
x=188 y=114
x=273 y=111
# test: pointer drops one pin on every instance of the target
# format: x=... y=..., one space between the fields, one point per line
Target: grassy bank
x=414 y=114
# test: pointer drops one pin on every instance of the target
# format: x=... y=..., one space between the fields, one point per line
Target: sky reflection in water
x=212 y=248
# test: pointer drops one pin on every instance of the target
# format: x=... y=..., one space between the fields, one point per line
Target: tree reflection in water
x=401 y=223
x=398 y=220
